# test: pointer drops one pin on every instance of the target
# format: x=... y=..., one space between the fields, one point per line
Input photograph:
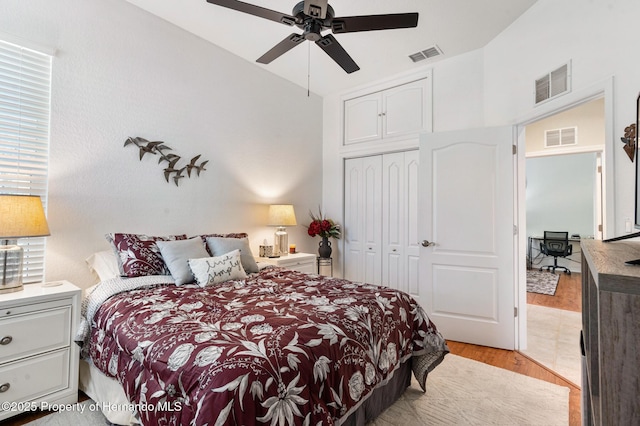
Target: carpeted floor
x=554 y=340
x=459 y=392
x=542 y=282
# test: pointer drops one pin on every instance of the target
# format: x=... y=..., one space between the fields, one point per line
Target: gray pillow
x=176 y=255
x=219 y=246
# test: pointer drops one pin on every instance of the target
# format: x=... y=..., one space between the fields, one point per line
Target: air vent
x=426 y=54
x=553 y=84
x=561 y=137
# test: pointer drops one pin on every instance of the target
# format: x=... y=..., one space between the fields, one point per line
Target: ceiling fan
x=314 y=16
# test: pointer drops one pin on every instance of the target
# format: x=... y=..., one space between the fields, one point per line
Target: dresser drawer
x=35 y=377
x=34 y=329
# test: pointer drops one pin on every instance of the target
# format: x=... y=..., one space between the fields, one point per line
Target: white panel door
x=393 y=220
x=467 y=199
x=363 y=219
x=400 y=234
x=412 y=232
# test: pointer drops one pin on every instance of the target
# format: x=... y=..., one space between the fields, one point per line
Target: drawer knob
x=6 y=340
x=4 y=387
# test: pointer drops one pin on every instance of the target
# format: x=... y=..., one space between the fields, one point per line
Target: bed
x=274 y=346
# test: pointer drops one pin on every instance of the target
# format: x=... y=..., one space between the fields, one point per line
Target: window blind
x=25 y=100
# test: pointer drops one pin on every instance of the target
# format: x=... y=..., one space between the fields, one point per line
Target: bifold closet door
x=363 y=219
x=400 y=248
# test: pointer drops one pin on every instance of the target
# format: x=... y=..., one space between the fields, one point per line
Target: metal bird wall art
x=629 y=140
x=171 y=171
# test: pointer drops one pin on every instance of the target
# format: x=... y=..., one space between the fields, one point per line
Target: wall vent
x=553 y=84
x=426 y=54
x=561 y=137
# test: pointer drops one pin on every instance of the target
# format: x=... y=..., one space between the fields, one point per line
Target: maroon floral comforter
x=280 y=347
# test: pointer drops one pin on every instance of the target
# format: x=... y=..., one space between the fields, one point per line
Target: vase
x=324 y=248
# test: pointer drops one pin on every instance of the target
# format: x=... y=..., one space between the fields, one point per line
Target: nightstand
x=38 y=358
x=301 y=262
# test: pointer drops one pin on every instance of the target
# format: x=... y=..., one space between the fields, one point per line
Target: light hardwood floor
x=568 y=297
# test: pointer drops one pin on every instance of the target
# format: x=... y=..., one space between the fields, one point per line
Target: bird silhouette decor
x=171 y=171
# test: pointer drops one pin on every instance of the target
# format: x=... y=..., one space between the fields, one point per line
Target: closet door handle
x=426 y=243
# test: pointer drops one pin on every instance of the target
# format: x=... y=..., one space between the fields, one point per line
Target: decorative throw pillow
x=176 y=255
x=218 y=246
x=214 y=270
x=230 y=235
x=138 y=255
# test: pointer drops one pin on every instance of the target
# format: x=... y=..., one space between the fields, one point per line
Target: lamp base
x=281 y=242
x=10 y=268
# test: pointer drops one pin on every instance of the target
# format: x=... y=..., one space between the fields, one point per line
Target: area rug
x=542 y=282
x=553 y=340
x=459 y=392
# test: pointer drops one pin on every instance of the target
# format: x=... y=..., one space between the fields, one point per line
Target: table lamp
x=20 y=216
x=281 y=215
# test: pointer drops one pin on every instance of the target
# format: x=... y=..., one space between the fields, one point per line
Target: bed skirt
x=382 y=397
x=107 y=393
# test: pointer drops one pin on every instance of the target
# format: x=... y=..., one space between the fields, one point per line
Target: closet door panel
x=405 y=109
x=393 y=223
x=411 y=236
x=363 y=119
x=353 y=230
x=363 y=198
x=372 y=218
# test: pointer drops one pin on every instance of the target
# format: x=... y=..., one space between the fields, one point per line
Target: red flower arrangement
x=326 y=228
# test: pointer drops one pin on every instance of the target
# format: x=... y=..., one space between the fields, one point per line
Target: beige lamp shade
x=22 y=216
x=281 y=215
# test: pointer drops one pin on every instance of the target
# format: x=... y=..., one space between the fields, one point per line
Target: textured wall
x=121 y=72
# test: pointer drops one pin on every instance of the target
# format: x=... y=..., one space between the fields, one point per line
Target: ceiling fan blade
x=332 y=48
x=256 y=11
x=316 y=8
x=351 y=24
x=283 y=47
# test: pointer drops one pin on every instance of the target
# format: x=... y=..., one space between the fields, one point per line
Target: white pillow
x=176 y=255
x=214 y=270
x=218 y=246
x=104 y=265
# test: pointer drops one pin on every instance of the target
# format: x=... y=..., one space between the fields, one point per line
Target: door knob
x=426 y=243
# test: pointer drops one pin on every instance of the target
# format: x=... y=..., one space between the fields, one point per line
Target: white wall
x=494 y=86
x=589 y=120
x=561 y=194
x=121 y=72
x=596 y=36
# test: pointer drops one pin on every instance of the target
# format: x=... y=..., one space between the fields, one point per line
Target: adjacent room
x=303 y=212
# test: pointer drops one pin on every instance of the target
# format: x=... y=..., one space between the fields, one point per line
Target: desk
x=533 y=245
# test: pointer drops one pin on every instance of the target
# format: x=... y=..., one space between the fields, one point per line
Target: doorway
x=563 y=193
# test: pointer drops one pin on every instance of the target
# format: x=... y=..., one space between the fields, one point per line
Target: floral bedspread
x=280 y=347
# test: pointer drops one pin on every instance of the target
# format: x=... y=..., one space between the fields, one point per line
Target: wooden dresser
x=611 y=333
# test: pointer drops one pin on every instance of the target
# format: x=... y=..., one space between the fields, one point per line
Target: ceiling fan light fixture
x=314 y=16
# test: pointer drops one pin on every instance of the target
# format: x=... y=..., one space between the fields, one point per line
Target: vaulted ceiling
x=455 y=26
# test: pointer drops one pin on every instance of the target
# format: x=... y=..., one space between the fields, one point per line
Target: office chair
x=556 y=244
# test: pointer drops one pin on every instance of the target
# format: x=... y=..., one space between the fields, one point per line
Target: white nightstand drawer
x=34 y=377
x=306 y=267
x=32 y=330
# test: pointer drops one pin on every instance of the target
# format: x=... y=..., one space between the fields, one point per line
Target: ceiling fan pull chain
x=308 y=69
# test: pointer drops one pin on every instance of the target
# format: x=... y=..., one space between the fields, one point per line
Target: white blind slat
x=25 y=110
